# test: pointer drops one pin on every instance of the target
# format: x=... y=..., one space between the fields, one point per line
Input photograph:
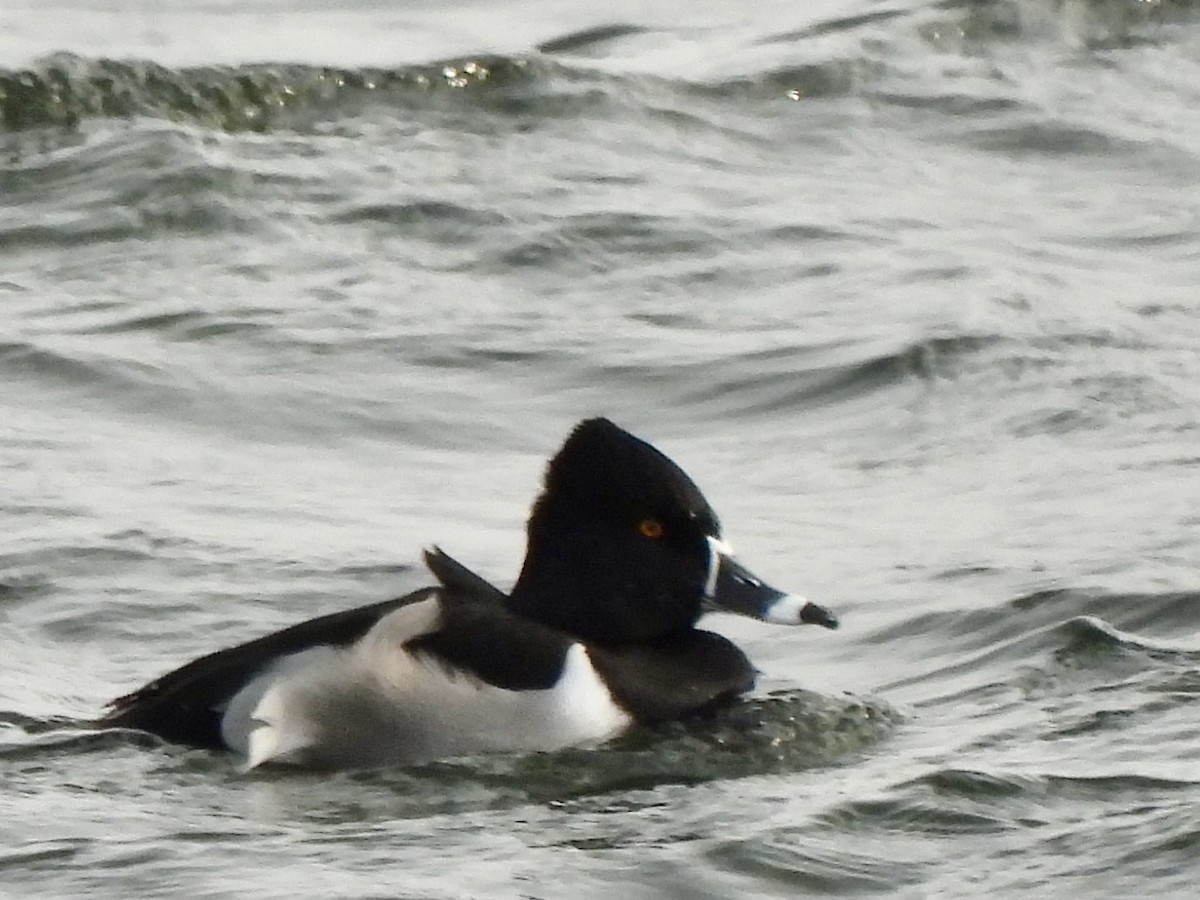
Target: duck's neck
x=566 y=589
x=600 y=593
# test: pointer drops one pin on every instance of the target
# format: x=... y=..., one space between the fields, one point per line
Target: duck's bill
x=734 y=588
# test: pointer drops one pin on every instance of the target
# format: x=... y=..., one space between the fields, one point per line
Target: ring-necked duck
x=598 y=633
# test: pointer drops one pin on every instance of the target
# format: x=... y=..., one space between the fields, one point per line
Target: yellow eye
x=650 y=528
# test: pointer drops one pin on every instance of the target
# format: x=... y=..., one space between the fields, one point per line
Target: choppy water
x=909 y=288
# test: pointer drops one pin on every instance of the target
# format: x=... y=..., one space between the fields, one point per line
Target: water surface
x=908 y=288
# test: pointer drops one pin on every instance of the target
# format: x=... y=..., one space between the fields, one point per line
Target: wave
x=783 y=732
x=74 y=369
x=776 y=380
x=1092 y=611
x=63 y=90
x=1075 y=611
x=1048 y=643
x=887 y=51
x=718 y=373
x=949 y=800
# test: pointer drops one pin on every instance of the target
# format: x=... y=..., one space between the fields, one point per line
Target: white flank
x=373 y=703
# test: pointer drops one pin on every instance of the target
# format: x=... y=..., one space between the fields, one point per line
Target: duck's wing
x=458 y=578
x=185 y=706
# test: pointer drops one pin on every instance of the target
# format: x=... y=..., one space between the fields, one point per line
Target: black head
x=617 y=547
x=623 y=547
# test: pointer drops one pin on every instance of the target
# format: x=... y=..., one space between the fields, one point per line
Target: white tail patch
x=268 y=719
x=286 y=713
x=275 y=735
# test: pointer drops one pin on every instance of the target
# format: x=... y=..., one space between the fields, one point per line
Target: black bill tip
x=814 y=614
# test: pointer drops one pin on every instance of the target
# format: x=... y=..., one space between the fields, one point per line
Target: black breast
x=674 y=676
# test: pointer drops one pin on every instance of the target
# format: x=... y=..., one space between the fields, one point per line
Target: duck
x=597 y=635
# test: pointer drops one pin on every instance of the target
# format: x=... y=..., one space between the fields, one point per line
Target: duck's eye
x=651 y=528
